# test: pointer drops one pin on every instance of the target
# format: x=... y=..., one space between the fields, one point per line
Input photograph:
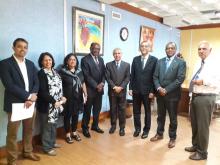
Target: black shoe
x=97 y=129
x=144 y=135
x=190 y=149
x=122 y=132
x=136 y=133
x=198 y=156
x=86 y=133
x=112 y=130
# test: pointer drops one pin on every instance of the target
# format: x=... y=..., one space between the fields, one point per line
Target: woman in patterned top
x=74 y=90
x=49 y=103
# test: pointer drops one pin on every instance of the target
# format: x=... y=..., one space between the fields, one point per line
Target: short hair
x=171 y=43
x=94 y=44
x=67 y=58
x=206 y=43
x=41 y=58
x=19 y=40
x=116 y=49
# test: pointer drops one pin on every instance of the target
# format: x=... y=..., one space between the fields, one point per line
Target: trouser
x=48 y=132
x=11 y=138
x=138 y=99
x=117 y=109
x=165 y=104
x=94 y=104
x=200 y=112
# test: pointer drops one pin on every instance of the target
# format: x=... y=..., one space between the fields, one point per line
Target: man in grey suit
x=117 y=76
x=168 y=77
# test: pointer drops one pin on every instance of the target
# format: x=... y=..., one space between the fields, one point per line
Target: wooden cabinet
x=183 y=107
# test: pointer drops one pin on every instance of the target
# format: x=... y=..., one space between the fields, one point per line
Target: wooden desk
x=183 y=108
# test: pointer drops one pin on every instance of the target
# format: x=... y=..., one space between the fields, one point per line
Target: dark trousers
x=11 y=138
x=171 y=106
x=94 y=104
x=138 y=99
x=117 y=109
x=200 y=112
x=71 y=115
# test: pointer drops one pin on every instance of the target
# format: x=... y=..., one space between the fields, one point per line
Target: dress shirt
x=119 y=63
x=210 y=76
x=95 y=58
x=169 y=61
x=145 y=58
x=23 y=69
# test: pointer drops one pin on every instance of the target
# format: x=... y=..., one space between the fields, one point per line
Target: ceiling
x=178 y=13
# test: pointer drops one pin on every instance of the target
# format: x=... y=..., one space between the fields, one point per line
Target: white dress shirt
x=210 y=76
x=23 y=69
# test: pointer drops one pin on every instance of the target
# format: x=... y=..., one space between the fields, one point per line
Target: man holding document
x=19 y=77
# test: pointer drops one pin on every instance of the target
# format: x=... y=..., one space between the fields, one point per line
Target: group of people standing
x=71 y=90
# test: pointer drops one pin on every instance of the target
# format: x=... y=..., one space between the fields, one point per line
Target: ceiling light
x=189 y=3
x=173 y=11
x=165 y=7
x=195 y=8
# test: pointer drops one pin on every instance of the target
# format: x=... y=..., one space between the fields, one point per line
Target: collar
x=18 y=61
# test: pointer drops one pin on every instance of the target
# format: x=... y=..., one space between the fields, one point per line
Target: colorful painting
x=147 y=34
x=89 y=27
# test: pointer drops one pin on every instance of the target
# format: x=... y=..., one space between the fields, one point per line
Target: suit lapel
x=92 y=61
x=149 y=60
x=15 y=64
x=173 y=63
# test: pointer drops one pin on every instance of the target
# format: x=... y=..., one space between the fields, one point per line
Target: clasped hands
x=99 y=87
x=59 y=103
x=162 y=91
x=29 y=102
x=117 y=89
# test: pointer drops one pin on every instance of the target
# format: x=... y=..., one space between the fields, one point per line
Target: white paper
x=19 y=112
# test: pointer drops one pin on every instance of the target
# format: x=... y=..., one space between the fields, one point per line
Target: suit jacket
x=44 y=97
x=142 y=79
x=13 y=82
x=93 y=74
x=172 y=79
x=117 y=77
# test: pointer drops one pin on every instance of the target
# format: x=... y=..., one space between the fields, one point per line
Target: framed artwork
x=88 y=27
x=147 y=34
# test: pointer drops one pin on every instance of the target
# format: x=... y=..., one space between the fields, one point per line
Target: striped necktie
x=196 y=76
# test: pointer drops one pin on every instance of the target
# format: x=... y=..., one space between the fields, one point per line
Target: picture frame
x=147 y=34
x=88 y=27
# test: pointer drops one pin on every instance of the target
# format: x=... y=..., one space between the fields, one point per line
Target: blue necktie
x=195 y=77
x=167 y=64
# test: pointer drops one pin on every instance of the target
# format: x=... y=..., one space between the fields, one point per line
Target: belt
x=203 y=94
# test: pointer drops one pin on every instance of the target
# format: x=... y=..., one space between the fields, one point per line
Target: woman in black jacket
x=74 y=90
x=49 y=103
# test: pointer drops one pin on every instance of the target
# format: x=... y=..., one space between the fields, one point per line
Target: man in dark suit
x=19 y=77
x=117 y=76
x=168 y=77
x=93 y=68
x=142 y=88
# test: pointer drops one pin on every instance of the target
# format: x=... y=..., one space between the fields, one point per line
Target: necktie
x=96 y=60
x=195 y=77
x=142 y=63
x=117 y=65
x=167 y=64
